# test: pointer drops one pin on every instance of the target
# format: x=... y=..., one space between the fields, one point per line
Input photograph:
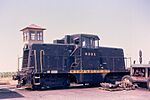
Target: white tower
x=33 y=34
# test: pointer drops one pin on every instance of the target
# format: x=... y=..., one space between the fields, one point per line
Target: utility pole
x=140 y=56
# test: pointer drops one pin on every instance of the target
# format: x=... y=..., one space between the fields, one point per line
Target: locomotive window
x=83 y=43
x=96 y=43
x=77 y=41
x=89 y=42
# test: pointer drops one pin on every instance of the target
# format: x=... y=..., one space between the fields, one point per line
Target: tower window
x=39 y=35
x=25 y=36
x=33 y=36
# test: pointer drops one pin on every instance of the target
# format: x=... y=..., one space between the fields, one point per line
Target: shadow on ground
x=62 y=88
x=6 y=94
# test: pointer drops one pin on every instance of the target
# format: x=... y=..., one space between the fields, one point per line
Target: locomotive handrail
x=41 y=59
x=76 y=64
x=74 y=50
x=35 y=61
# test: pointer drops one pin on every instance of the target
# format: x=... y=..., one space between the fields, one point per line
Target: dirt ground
x=9 y=92
x=7 y=81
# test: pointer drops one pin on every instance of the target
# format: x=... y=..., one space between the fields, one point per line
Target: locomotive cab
x=90 y=41
x=82 y=40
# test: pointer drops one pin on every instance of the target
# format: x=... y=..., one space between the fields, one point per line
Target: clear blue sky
x=119 y=23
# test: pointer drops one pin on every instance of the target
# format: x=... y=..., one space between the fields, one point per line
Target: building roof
x=33 y=26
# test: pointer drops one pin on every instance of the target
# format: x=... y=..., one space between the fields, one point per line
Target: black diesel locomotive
x=76 y=58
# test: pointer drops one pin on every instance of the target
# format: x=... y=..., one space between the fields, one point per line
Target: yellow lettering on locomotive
x=89 y=71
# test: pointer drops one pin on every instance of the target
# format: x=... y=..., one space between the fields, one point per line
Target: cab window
x=90 y=42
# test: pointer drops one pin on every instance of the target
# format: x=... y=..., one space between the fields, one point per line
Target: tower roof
x=33 y=26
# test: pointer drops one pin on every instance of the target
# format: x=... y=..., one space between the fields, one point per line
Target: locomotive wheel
x=67 y=84
x=127 y=79
x=94 y=84
x=148 y=84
